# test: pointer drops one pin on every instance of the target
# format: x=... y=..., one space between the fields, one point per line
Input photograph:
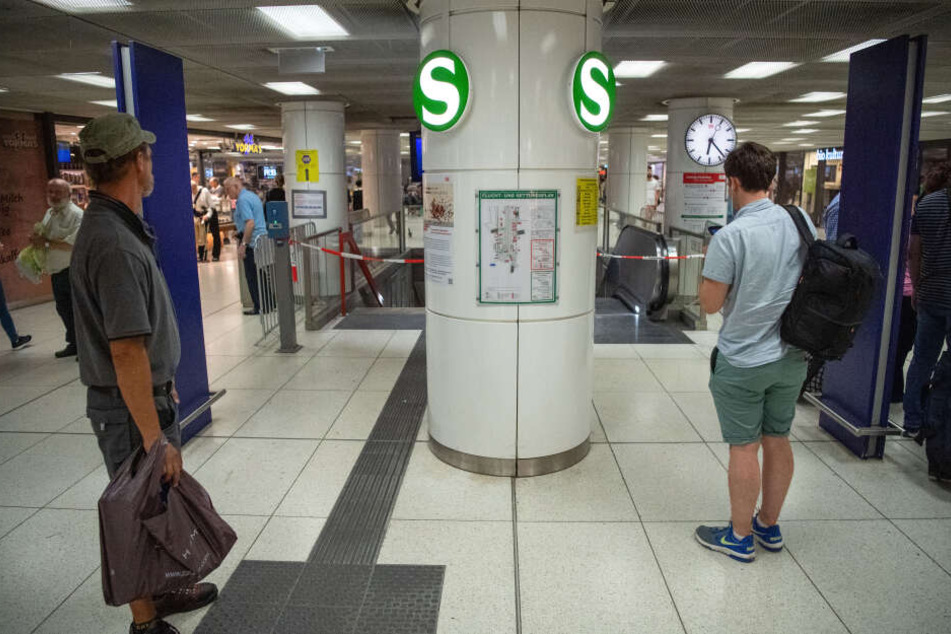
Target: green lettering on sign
x=593 y=91
x=441 y=90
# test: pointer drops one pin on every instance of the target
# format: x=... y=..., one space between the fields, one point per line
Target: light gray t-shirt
x=119 y=292
x=760 y=254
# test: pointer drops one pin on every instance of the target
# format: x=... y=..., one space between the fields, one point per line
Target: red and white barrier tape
x=366 y=258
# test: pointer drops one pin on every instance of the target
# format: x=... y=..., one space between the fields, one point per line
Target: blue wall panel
x=871 y=181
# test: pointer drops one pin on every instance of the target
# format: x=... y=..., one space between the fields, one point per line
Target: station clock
x=709 y=139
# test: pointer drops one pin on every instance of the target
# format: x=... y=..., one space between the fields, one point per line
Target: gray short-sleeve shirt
x=119 y=292
x=760 y=255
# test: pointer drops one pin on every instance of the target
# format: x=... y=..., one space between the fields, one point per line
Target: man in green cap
x=127 y=334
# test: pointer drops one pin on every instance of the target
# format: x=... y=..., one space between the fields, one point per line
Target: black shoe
x=157 y=626
x=22 y=341
x=68 y=351
x=910 y=433
x=185 y=600
x=214 y=259
x=252 y=312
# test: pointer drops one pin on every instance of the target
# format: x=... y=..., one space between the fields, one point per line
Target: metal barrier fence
x=612 y=221
x=264 y=262
x=691 y=274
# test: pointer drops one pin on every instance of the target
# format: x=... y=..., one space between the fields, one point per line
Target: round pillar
x=627 y=169
x=677 y=212
x=510 y=386
x=382 y=171
x=317 y=125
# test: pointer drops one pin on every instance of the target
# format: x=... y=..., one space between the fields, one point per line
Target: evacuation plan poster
x=518 y=246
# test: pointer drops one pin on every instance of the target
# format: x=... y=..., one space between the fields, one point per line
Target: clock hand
x=709 y=143
x=717 y=147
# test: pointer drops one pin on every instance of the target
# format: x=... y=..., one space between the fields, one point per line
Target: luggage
x=935 y=430
x=155 y=538
x=834 y=294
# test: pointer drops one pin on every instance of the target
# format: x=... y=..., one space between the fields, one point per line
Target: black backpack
x=834 y=293
x=935 y=430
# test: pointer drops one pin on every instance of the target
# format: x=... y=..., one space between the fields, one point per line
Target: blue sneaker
x=769 y=537
x=723 y=541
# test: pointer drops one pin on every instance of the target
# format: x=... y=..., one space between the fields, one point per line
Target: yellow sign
x=587 y=202
x=308 y=168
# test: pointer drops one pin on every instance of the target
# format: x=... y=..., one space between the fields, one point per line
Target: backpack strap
x=800 y=223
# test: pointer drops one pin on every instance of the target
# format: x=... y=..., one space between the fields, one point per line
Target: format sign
x=308 y=203
x=518 y=246
x=593 y=91
x=441 y=90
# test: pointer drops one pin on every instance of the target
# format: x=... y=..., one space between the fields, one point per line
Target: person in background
x=752 y=267
x=216 y=189
x=59 y=228
x=203 y=207
x=250 y=224
x=17 y=340
x=277 y=192
x=358 y=195
x=929 y=260
x=652 y=190
x=129 y=346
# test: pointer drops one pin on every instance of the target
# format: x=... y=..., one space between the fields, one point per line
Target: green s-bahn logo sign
x=593 y=91
x=441 y=90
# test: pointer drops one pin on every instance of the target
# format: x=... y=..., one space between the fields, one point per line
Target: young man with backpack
x=752 y=268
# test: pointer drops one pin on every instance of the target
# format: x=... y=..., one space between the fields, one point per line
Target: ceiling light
x=792 y=139
x=804 y=131
x=759 y=70
x=658 y=136
x=816 y=97
x=637 y=69
x=743 y=129
x=405 y=135
x=655 y=117
x=826 y=113
x=78 y=6
x=354 y=142
x=109 y=103
x=241 y=126
x=304 y=22
x=2 y=89
x=843 y=55
x=197 y=117
x=937 y=99
x=292 y=88
x=798 y=124
x=805 y=145
x=93 y=79
x=653 y=147
x=932 y=113
x=272 y=147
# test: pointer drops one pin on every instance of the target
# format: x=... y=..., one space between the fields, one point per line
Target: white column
x=681 y=113
x=627 y=169
x=510 y=387
x=318 y=125
x=382 y=171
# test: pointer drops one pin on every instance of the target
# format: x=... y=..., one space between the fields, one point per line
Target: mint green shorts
x=756 y=402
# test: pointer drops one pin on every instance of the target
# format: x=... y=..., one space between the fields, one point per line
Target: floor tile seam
x=815 y=585
x=840 y=475
x=726 y=467
x=33 y=400
x=515 y=555
x=21 y=522
x=919 y=547
x=340 y=413
x=684 y=414
x=597 y=415
x=917 y=455
x=61 y=493
x=67 y=598
x=25 y=449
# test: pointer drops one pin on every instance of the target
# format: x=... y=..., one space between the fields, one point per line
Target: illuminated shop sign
x=829 y=154
x=248 y=145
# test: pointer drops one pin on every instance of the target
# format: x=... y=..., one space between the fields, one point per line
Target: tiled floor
x=603 y=547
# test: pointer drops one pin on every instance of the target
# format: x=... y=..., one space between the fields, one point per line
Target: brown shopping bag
x=155 y=538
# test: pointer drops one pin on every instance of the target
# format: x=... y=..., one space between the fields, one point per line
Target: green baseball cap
x=111 y=136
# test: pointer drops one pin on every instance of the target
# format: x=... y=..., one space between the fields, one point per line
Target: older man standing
x=250 y=224
x=57 y=234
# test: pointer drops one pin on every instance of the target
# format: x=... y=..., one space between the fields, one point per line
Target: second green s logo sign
x=593 y=91
x=441 y=90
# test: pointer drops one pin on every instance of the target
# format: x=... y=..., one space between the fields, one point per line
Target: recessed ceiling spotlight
x=634 y=69
x=798 y=124
x=844 y=54
x=817 y=97
x=759 y=70
x=108 y=103
x=197 y=117
x=655 y=117
x=937 y=99
x=292 y=88
x=241 y=126
x=92 y=79
x=304 y=22
x=826 y=113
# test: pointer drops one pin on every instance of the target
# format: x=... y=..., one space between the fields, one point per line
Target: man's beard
x=149 y=187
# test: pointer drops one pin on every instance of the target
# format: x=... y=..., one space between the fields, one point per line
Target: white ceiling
x=226 y=46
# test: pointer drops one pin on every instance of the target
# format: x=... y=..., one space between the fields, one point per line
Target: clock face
x=710 y=138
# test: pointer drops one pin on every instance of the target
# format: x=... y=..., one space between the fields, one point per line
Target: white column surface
x=627 y=169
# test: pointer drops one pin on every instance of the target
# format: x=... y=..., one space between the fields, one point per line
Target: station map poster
x=704 y=199
x=309 y=203
x=438 y=225
x=518 y=246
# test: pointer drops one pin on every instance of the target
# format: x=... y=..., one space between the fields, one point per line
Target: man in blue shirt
x=929 y=260
x=830 y=220
x=752 y=268
x=251 y=225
